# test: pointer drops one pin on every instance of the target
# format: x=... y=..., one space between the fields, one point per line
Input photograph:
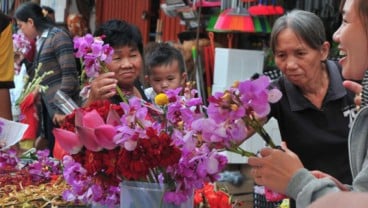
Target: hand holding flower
x=102 y=87
x=95 y=54
x=275 y=168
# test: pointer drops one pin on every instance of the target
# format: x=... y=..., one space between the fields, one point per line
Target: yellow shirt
x=6 y=58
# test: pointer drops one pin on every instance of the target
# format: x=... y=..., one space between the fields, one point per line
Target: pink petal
x=105 y=134
x=113 y=118
x=88 y=138
x=68 y=140
x=92 y=119
x=78 y=117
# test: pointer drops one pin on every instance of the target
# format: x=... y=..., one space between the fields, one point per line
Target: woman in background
x=54 y=50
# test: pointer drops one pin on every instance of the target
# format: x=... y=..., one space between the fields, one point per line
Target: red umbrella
x=237 y=19
x=276 y=9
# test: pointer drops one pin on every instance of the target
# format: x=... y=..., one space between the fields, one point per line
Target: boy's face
x=127 y=63
x=166 y=77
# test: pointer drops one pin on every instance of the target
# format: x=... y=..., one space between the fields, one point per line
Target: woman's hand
x=103 y=87
x=18 y=57
x=320 y=174
x=356 y=88
x=58 y=119
x=275 y=168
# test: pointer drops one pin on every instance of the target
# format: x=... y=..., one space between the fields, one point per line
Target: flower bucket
x=136 y=194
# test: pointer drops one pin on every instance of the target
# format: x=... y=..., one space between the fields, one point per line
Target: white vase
x=135 y=194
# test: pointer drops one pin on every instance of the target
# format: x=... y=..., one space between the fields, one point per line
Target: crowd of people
x=321 y=115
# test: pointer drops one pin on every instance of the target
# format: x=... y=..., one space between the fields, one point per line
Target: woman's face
x=27 y=28
x=300 y=63
x=127 y=64
x=352 y=43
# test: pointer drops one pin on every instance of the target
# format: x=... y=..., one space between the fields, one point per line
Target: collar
x=335 y=89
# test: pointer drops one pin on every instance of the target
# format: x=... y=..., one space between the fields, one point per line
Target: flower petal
x=113 y=118
x=105 y=134
x=92 y=119
x=88 y=138
x=67 y=140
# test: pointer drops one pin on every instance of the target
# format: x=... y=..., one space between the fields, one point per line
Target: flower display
x=31 y=179
x=177 y=145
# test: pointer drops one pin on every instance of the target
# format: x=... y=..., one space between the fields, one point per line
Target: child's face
x=166 y=77
x=127 y=63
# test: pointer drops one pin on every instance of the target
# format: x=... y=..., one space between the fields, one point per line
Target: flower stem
x=257 y=126
x=240 y=151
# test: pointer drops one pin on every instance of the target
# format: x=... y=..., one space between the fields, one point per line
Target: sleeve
x=65 y=56
x=6 y=58
x=305 y=188
x=65 y=76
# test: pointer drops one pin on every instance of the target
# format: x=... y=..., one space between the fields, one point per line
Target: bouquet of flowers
x=27 y=102
x=20 y=45
x=177 y=146
x=111 y=143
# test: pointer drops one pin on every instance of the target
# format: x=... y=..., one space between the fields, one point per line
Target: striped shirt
x=56 y=53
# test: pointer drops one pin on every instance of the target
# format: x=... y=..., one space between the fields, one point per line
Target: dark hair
x=33 y=11
x=163 y=54
x=118 y=33
x=307 y=25
x=48 y=9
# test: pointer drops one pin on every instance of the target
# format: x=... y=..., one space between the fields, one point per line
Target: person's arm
x=5 y=104
x=283 y=172
x=342 y=200
x=6 y=71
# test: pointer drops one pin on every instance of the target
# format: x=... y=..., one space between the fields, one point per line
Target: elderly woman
x=283 y=171
x=126 y=64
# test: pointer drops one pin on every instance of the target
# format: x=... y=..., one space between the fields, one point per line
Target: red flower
x=132 y=165
x=209 y=197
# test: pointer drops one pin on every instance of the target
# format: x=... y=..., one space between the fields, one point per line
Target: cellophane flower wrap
x=178 y=144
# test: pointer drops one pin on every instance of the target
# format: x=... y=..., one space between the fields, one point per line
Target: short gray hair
x=307 y=25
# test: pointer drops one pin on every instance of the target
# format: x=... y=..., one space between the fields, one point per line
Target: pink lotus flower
x=91 y=132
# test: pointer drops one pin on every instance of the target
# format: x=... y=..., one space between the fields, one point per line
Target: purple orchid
x=93 y=52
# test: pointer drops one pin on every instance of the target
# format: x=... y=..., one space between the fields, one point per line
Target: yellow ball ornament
x=161 y=99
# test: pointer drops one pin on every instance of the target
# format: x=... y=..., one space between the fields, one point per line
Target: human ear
x=183 y=78
x=325 y=50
